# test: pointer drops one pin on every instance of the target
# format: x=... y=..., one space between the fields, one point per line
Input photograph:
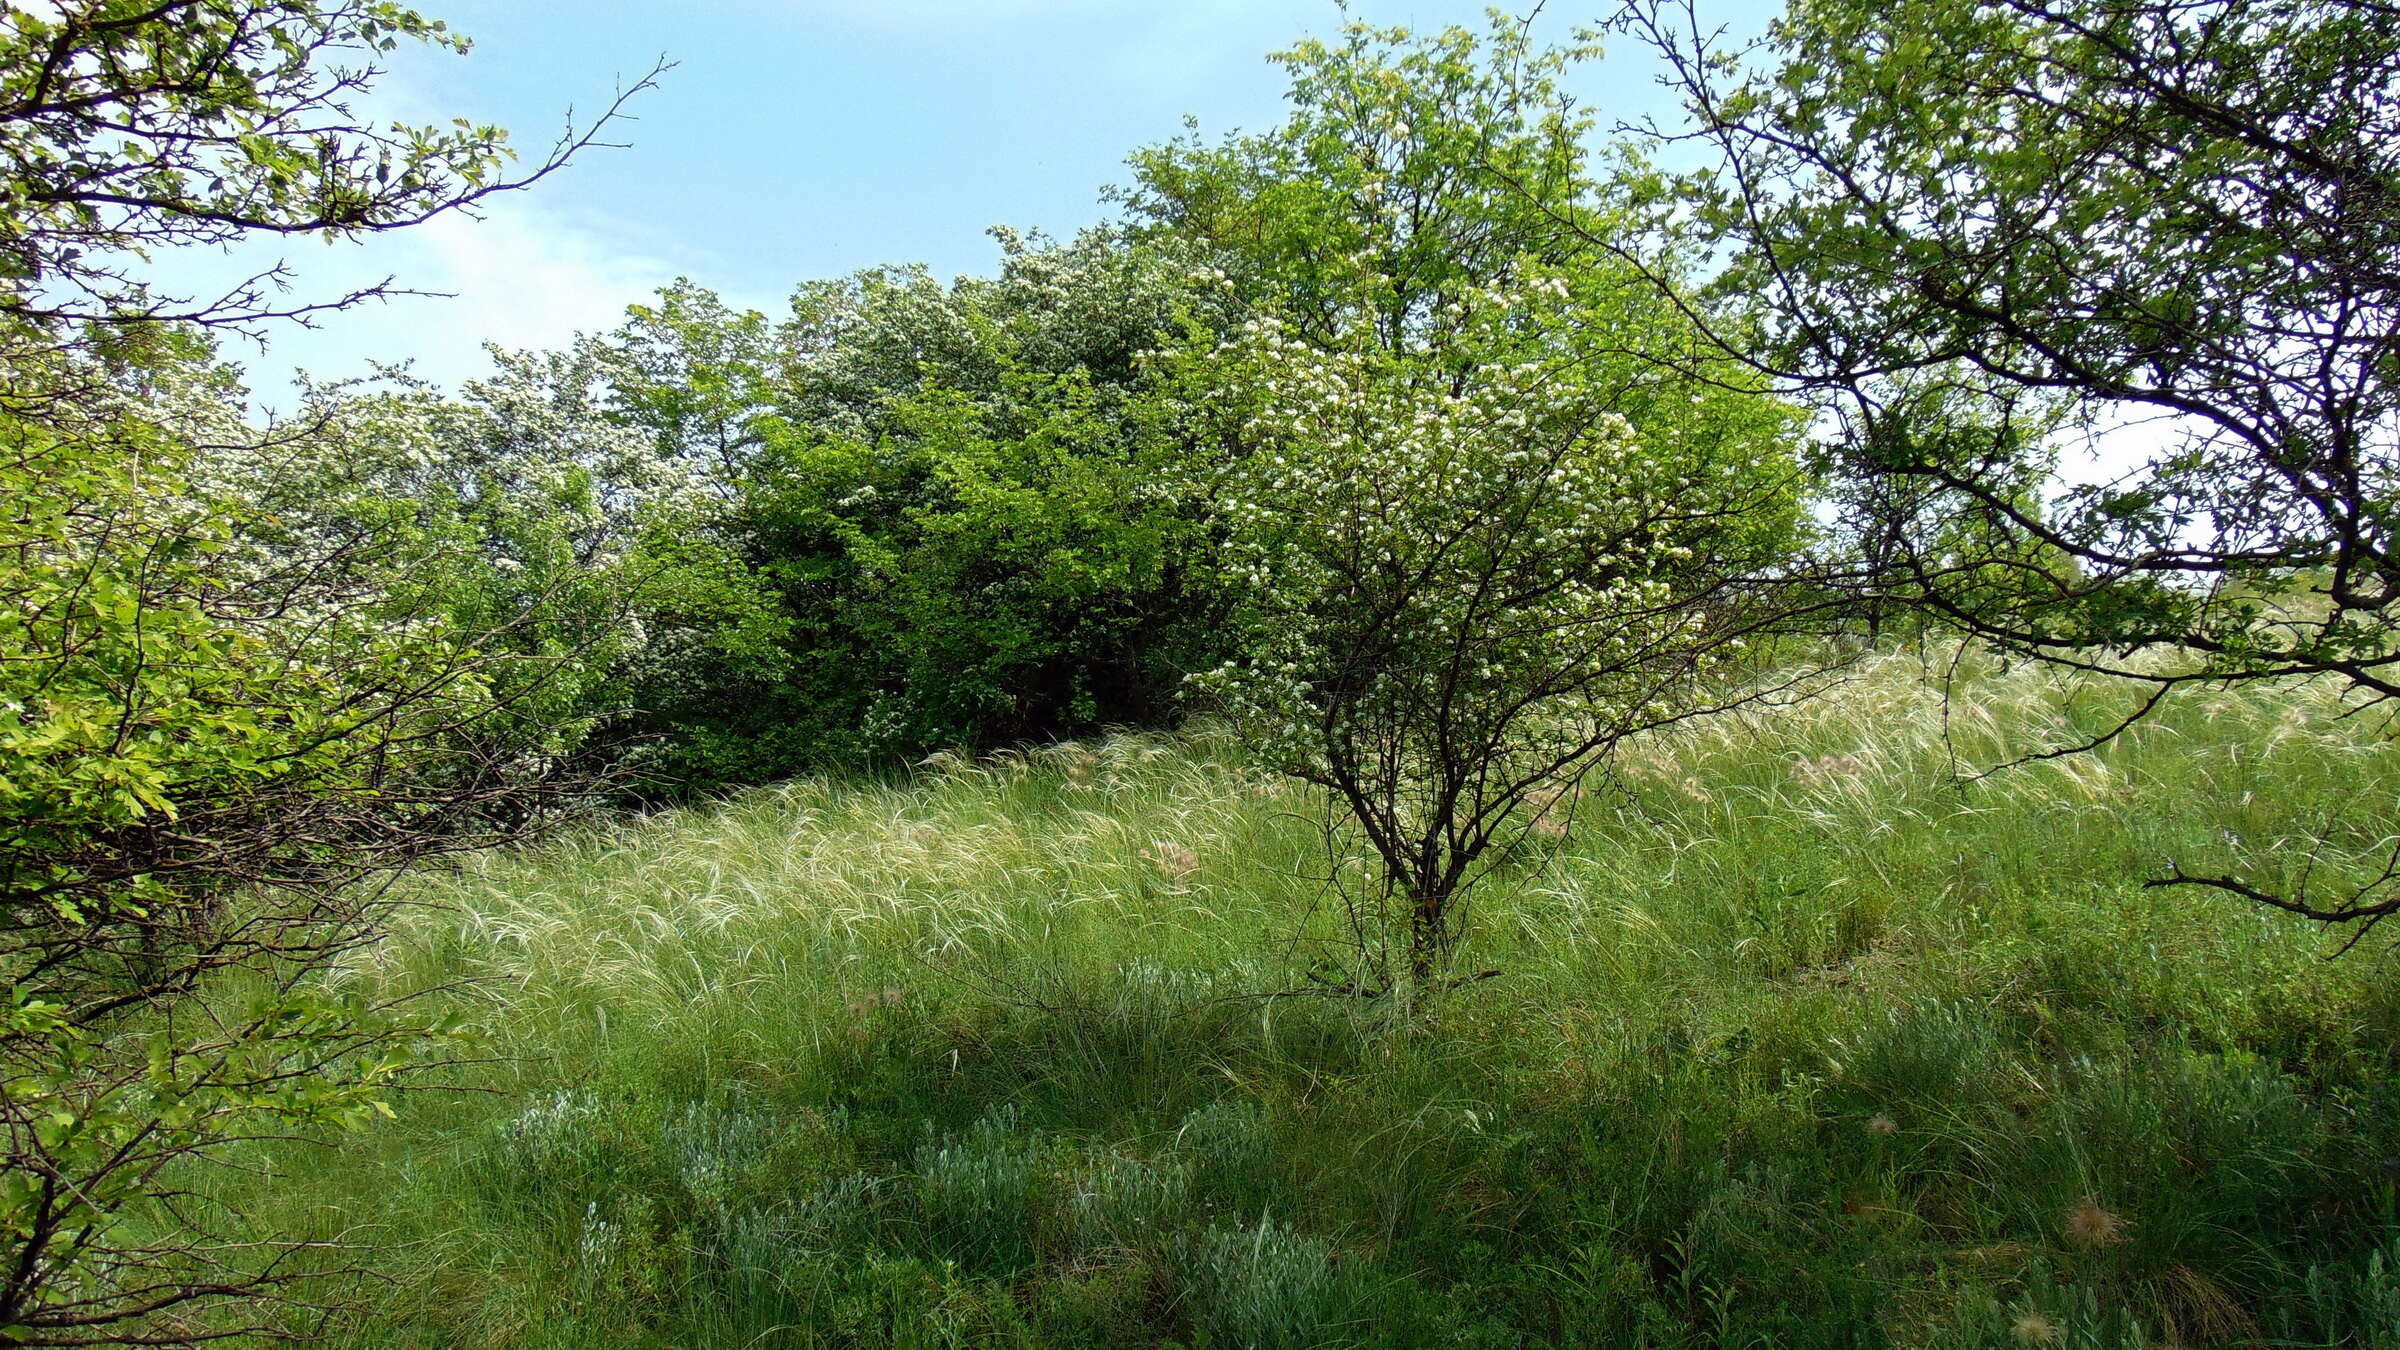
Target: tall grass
x=1803 y=1040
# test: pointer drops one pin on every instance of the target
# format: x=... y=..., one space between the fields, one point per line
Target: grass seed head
x=1174 y=861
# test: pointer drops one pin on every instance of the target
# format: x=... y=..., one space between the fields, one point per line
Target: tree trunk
x=1428 y=933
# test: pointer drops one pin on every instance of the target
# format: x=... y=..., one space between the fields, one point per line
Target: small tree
x=203 y=747
x=1469 y=578
x=1480 y=532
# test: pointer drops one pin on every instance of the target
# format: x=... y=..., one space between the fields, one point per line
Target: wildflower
x=1883 y=1125
x=2034 y=1328
x=2088 y=1225
x=888 y=997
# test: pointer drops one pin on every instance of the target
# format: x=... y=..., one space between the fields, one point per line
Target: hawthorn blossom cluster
x=1466 y=546
x=519 y=545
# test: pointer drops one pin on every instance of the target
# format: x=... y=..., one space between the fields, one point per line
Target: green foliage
x=205 y=732
x=975 y=512
x=2097 y=300
x=981 y=1193
x=574 y=540
x=166 y=663
x=695 y=375
x=987 y=520
x=242 y=671
x=1452 y=489
x=1266 y=1286
x=1991 y=235
x=1410 y=170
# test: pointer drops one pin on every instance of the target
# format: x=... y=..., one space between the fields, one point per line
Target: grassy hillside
x=1799 y=1042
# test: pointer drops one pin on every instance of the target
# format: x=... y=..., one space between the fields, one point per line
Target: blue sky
x=808 y=138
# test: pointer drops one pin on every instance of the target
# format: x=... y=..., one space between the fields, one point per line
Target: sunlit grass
x=1802 y=1039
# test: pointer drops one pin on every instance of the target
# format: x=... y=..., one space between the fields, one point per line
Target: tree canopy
x=2150 y=248
x=195 y=123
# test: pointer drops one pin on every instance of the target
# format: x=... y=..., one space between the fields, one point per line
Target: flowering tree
x=1482 y=533
x=203 y=743
x=590 y=547
x=241 y=672
x=1472 y=570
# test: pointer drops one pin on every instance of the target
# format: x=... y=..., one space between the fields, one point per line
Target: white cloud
x=522 y=276
x=520 y=273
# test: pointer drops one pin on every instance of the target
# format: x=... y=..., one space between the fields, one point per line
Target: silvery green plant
x=1266 y=1287
x=980 y=1190
x=1129 y=1203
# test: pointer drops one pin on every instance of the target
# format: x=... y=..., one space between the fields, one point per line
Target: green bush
x=976 y=513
